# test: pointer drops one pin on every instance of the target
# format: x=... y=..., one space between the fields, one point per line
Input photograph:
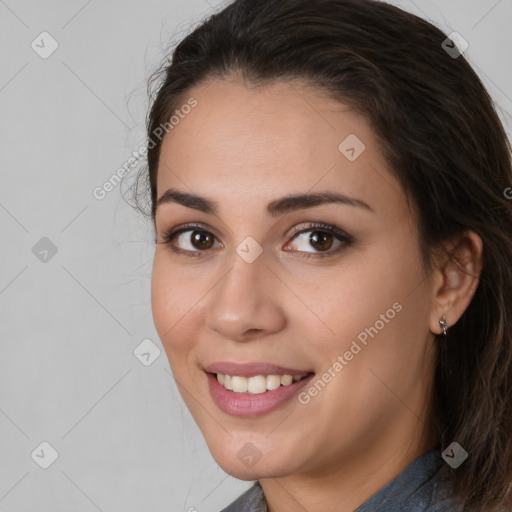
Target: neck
x=342 y=486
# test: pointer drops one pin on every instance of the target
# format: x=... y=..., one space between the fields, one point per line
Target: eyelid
x=192 y=226
x=322 y=226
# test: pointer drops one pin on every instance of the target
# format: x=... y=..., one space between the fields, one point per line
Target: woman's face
x=349 y=308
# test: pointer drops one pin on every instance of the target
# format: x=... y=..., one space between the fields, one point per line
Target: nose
x=244 y=303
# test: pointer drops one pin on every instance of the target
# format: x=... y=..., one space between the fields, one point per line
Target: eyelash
x=341 y=235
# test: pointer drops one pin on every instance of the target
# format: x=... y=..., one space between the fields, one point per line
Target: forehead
x=249 y=142
x=279 y=117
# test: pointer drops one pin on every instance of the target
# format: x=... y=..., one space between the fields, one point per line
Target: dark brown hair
x=439 y=131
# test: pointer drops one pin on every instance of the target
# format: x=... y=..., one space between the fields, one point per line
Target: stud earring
x=444 y=325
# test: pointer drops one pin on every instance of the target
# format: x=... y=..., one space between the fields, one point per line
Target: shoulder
x=252 y=500
x=441 y=495
x=421 y=487
x=433 y=495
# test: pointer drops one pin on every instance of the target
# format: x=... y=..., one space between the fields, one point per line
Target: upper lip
x=252 y=369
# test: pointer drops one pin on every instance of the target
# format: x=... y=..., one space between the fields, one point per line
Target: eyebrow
x=275 y=208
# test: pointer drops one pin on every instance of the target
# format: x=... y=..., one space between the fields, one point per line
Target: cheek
x=354 y=299
x=172 y=303
x=375 y=302
x=380 y=321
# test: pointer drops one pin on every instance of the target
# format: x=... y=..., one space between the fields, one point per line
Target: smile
x=256 y=395
x=257 y=384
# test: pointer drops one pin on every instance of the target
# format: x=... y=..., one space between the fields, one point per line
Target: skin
x=244 y=147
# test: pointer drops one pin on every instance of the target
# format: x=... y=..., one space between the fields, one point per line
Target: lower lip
x=245 y=404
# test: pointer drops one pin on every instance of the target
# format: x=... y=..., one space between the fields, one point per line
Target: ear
x=456 y=277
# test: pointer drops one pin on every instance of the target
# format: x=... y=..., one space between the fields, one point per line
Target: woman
x=332 y=280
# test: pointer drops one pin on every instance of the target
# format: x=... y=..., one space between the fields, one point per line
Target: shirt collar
x=413 y=489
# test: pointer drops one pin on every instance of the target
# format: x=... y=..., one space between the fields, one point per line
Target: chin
x=246 y=462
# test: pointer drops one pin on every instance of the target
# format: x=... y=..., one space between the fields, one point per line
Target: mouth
x=257 y=384
x=256 y=394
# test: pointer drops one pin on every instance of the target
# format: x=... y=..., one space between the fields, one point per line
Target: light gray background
x=69 y=326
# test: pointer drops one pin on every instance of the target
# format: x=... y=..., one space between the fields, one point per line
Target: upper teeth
x=257 y=384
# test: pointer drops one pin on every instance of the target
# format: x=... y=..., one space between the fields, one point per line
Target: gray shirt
x=420 y=487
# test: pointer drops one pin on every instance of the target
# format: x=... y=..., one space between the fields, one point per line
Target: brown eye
x=321 y=240
x=190 y=240
x=198 y=240
x=201 y=240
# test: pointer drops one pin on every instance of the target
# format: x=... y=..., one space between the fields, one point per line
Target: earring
x=444 y=325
